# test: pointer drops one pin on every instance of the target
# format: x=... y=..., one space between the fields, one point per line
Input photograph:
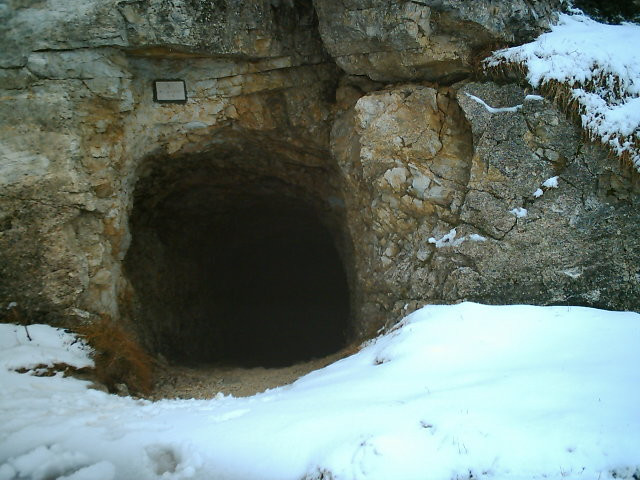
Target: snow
x=551 y=182
x=520 y=212
x=491 y=109
x=450 y=240
x=47 y=347
x=474 y=237
x=50 y=462
x=601 y=66
x=499 y=392
x=547 y=184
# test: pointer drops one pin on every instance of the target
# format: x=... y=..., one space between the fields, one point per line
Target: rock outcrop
x=227 y=28
x=433 y=40
x=611 y=12
x=433 y=192
x=79 y=125
x=459 y=203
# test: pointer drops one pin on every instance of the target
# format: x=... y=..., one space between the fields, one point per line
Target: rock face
x=449 y=179
x=429 y=193
x=230 y=28
x=79 y=126
x=579 y=248
x=432 y=40
x=611 y=12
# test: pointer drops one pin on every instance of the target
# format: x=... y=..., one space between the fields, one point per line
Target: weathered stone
x=224 y=27
x=422 y=189
x=77 y=120
x=406 y=153
x=229 y=28
x=433 y=40
x=447 y=211
x=577 y=243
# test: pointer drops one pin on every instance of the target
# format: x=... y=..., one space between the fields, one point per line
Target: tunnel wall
x=236 y=264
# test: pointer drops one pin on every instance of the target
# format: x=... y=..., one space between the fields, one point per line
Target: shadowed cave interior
x=243 y=274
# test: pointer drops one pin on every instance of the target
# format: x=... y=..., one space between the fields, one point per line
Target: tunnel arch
x=239 y=257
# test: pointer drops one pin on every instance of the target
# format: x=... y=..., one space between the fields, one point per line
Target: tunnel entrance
x=238 y=273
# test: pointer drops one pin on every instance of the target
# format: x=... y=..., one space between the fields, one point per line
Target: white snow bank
x=601 y=64
x=48 y=346
x=454 y=392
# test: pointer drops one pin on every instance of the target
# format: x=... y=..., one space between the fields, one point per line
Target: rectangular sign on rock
x=169 y=91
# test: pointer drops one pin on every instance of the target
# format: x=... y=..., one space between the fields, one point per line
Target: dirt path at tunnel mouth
x=206 y=381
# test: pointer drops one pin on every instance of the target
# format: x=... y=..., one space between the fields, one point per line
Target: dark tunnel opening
x=237 y=275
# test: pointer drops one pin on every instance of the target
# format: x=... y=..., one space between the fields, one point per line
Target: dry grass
x=118 y=357
x=479 y=55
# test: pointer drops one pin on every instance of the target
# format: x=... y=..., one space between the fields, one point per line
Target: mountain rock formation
x=363 y=111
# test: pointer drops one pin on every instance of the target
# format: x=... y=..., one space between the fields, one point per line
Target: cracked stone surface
x=436 y=40
x=232 y=28
x=406 y=151
x=441 y=178
x=79 y=125
x=578 y=243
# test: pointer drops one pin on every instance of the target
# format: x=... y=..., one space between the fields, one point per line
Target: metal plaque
x=169 y=91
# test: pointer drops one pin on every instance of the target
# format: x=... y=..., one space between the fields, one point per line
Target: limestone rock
x=78 y=118
x=429 y=196
x=231 y=28
x=433 y=40
x=406 y=153
x=445 y=207
x=578 y=242
x=53 y=24
x=252 y=28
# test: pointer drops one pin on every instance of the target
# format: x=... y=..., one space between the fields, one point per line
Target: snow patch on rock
x=601 y=68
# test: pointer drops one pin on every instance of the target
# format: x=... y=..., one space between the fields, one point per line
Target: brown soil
x=173 y=381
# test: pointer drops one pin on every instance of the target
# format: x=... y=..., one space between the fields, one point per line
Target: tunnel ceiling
x=237 y=266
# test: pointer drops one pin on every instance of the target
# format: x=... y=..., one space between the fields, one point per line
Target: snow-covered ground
x=454 y=392
x=601 y=65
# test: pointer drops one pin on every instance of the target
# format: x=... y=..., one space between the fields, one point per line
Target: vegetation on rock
x=118 y=357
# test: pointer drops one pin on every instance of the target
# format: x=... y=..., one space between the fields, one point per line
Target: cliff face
x=294 y=103
x=434 y=40
x=457 y=204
